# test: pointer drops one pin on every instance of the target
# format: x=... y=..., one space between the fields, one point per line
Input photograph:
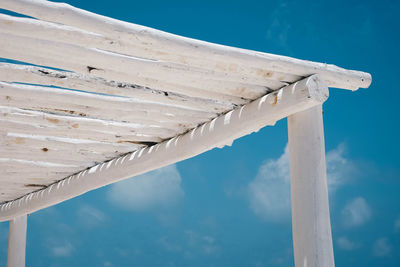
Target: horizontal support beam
x=119 y=67
x=45 y=30
x=45 y=76
x=60 y=143
x=68 y=123
x=76 y=133
x=69 y=102
x=219 y=132
x=15 y=191
x=176 y=48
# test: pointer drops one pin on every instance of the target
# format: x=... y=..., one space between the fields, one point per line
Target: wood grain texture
x=185 y=49
x=17 y=242
x=45 y=76
x=96 y=106
x=114 y=66
x=312 y=237
x=216 y=133
x=74 y=125
x=60 y=33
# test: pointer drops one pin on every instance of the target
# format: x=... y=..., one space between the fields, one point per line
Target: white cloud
x=356 y=212
x=63 y=250
x=382 y=247
x=269 y=192
x=345 y=244
x=339 y=169
x=90 y=216
x=60 y=241
x=159 y=188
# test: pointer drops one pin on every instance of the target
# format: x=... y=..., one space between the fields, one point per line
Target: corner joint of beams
x=317 y=88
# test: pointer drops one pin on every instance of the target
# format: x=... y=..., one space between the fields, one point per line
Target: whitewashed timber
x=312 y=238
x=17 y=242
x=107 y=100
x=217 y=133
x=97 y=106
x=39 y=75
x=126 y=68
x=72 y=123
x=183 y=49
x=60 y=33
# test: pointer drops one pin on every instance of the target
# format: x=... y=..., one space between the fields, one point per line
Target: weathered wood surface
x=56 y=143
x=76 y=133
x=216 y=133
x=59 y=33
x=75 y=123
x=184 y=50
x=17 y=242
x=45 y=76
x=14 y=191
x=120 y=67
x=9 y=165
x=98 y=106
x=312 y=237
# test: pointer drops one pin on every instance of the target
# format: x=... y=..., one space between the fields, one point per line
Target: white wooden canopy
x=89 y=100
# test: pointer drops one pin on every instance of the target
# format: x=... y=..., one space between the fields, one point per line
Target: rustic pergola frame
x=271 y=88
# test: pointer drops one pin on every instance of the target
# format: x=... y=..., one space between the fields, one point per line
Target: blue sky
x=230 y=206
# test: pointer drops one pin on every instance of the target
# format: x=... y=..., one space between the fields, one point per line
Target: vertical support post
x=17 y=242
x=312 y=237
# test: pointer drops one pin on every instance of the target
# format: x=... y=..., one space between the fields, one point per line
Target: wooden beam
x=76 y=133
x=14 y=191
x=17 y=242
x=219 y=132
x=44 y=30
x=97 y=106
x=114 y=66
x=312 y=238
x=59 y=143
x=9 y=165
x=185 y=50
x=45 y=76
x=95 y=126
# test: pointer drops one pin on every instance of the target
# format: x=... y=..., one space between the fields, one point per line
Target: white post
x=17 y=242
x=312 y=238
